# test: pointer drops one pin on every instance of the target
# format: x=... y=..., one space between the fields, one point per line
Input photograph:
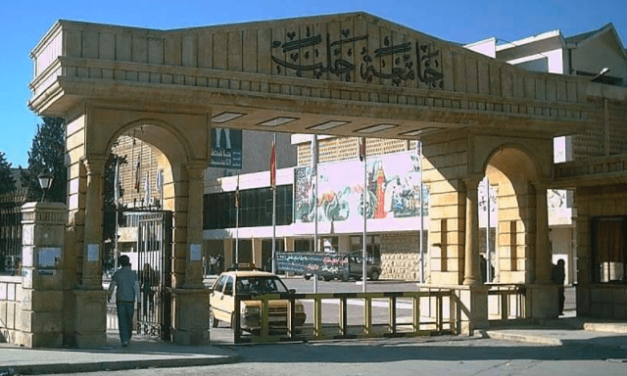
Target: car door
x=216 y=300
x=228 y=298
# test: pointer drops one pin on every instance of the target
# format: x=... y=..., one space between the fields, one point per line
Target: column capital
x=472 y=182
x=196 y=169
x=94 y=164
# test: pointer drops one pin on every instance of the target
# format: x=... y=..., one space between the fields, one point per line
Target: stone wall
x=10 y=308
x=400 y=254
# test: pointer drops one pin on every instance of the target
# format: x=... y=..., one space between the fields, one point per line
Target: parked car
x=355 y=266
x=256 y=283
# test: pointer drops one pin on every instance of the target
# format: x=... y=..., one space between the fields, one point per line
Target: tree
x=47 y=154
x=7 y=183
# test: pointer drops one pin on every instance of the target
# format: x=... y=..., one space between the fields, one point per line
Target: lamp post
x=45 y=182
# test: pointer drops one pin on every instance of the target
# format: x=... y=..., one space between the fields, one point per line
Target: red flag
x=273 y=165
x=362 y=149
x=137 y=175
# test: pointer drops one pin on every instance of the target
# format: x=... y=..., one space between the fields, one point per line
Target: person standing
x=558 y=276
x=124 y=282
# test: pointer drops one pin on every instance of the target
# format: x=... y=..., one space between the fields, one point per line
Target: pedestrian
x=148 y=284
x=213 y=265
x=124 y=282
x=558 y=276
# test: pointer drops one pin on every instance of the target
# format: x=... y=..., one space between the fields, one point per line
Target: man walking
x=125 y=282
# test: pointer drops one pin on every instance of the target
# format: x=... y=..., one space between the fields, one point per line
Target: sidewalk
x=141 y=353
x=148 y=353
x=566 y=331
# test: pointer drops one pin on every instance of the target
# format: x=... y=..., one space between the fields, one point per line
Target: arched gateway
x=345 y=75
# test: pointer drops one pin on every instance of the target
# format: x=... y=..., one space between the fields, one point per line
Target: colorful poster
x=392 y=182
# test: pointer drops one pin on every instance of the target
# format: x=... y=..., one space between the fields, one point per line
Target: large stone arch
x=349 y=75
x=183 y=140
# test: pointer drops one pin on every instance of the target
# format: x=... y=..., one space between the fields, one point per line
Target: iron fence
x=11 y=232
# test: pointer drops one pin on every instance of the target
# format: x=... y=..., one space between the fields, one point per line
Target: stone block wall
x=400 y=255
x=10 y=308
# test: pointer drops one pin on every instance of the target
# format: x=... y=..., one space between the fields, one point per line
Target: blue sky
x=23 y=23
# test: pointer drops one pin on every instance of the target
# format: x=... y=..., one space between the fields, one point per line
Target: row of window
x=255 y=208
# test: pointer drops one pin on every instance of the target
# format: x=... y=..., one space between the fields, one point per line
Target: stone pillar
x=190 y=325
x=91 y=300
x=544 y=298
x=472 y=274
x=92 y=246
x=43 y=236
x=543 y=253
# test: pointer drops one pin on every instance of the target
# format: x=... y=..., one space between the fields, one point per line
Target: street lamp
x=45 y=182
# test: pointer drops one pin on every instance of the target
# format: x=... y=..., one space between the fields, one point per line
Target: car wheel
x=213 y=321
x=327 y=278
x=345 y=278
x=307 y=277
x=375 y=275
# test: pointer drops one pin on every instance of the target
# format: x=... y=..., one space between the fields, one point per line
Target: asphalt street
x=417 y=356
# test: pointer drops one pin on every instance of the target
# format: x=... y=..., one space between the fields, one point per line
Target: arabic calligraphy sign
x=315 y=55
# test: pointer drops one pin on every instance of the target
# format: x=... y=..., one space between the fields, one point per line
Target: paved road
x=418 y=356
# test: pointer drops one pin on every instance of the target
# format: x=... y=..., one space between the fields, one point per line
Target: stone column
x=190 y=325
x=193 y=262
x=472 y=274
x=92 y=246
x=41 y=316
x=543 y=253
x=91 y=300
x=544 y=298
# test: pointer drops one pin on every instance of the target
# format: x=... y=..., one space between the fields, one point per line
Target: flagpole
x=365 y=215
x=237 y=222
x=315 y=170
x=422 y=217
x=116 y=199
x=273 y=176
x=487 y=232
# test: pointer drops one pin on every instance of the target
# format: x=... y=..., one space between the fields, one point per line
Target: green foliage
x=7 y=183
x=47 y=154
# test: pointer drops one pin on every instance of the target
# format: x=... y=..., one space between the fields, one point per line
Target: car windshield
x=260 y=286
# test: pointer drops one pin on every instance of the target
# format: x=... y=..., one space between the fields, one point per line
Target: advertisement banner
x=393 y=185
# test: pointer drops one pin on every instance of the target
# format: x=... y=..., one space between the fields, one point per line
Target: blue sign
x=226 y=148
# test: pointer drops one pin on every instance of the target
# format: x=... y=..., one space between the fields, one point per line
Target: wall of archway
x=184 y=141
x=455 y=163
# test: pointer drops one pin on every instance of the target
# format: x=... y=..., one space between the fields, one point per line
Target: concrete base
x=33 y=340
x=91 y=318
x=542 y=301
x=472 y=308
x=190 y=324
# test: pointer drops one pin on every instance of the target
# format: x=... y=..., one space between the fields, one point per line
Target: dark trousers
x=561 y=299
x=125 y=320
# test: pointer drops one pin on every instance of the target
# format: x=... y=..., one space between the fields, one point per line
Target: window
x=228 y=286
x=219 y=286
x=373 y=246
x=608 y=250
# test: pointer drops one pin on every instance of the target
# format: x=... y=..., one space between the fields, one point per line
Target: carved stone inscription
x=410 y=60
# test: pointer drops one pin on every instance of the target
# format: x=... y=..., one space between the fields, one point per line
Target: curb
x=52 y=368
x=524 y=338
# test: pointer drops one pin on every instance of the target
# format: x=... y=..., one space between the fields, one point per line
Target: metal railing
x=419 y=325
x=11 y=232
x=507 y=302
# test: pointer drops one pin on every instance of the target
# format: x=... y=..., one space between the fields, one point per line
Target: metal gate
x=154 y=247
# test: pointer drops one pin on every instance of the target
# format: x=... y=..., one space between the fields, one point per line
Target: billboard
x=226 y=148
x=392 y=182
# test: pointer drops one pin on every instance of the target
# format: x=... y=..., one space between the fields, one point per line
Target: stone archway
x=349 y=75
x=184 y=159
